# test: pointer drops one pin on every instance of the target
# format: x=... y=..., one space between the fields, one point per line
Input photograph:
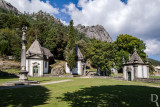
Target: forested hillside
x=50 y=33
x=154 y=62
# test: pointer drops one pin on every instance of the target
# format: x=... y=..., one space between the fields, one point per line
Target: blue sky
x=139 y=18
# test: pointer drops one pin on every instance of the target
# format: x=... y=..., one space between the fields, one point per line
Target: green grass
x=155 y=77
x=81 y=92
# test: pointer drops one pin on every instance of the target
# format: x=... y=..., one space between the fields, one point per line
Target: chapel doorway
x=129 y=76
x=35 y=71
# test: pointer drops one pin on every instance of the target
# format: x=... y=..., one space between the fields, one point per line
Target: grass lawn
x=81 y=92
x=158 y=77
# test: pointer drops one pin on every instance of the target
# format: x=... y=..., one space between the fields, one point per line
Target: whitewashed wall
x=67 y=68
x=29 y=66
x=125 y=73
x=76 y=71
x=145 y=71
x=140 y=71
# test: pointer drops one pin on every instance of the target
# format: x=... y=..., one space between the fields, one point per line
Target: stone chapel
x=135 y=68
x=80 y=65
x=37 y=60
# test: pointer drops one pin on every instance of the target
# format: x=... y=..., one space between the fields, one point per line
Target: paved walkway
x=21 y=86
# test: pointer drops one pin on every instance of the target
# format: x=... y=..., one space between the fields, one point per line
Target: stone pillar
x=23 y=73
x=135 y=71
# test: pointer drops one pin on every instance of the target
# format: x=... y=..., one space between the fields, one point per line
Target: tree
x=60 y=44
x=102 y=55
x=4 y=43
x=71 y=55
x=125 y=45
x=50 y=40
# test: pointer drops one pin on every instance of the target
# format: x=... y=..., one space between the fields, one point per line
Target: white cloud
x=64 y=22
x=33 y=6
x=139 y=18
x=152 y=47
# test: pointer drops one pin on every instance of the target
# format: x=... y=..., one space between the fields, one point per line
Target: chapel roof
x=78 y=53
x=135 y=57
x=36 y=49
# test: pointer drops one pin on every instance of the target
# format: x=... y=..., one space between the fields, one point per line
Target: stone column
x=135 y=71
x=23 y=73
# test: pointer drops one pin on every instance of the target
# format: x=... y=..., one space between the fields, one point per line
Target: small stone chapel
x=80 y=65
x=37 y=60
x=135 y=68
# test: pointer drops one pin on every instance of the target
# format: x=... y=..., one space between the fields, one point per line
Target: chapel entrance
x=129 y=76
x=35 y=71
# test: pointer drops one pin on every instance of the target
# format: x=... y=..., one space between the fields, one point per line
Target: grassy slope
x=81 y=92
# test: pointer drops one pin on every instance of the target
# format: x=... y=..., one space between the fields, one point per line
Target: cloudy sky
x=140 y=18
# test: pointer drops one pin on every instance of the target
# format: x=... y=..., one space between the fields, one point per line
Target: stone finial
x=24 y=28
x=123 y=60
x=129 y=56
x=147 y=61
x=135 y=48
x=36 y=37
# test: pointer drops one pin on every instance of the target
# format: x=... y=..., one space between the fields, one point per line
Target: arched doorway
x=35 y=71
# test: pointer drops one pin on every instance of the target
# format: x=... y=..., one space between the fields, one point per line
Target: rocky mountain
x=8 y=6
x=44 y=15
x=98 y=32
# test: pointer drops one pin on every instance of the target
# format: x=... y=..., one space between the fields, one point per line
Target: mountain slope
x=98 y=32
x=8 y=6
x=154 y=62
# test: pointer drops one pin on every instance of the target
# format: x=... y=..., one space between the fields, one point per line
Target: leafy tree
x=4 y=43
x=125 y=44
x=102 y=55
x=71 y=55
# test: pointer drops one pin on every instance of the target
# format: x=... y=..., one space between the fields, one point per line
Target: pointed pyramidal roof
x=79 y=54
x=135 y=57
x=36 y=49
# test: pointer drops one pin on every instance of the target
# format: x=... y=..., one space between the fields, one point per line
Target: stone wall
x=148 y=80
x=110 y=77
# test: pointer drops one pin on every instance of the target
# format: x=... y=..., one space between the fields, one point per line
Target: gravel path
x=21 y=86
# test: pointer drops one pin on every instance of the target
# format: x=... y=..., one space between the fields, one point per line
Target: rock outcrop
x=8 y=6
x=98 y=32
x=44 y=15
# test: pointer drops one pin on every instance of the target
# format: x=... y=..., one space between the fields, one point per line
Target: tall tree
x=125 y=44
x=102 y=55
x=71 y=55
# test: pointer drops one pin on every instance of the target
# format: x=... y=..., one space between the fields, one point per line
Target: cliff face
x=8 y=6
x=44 y=15
x=98 y=32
